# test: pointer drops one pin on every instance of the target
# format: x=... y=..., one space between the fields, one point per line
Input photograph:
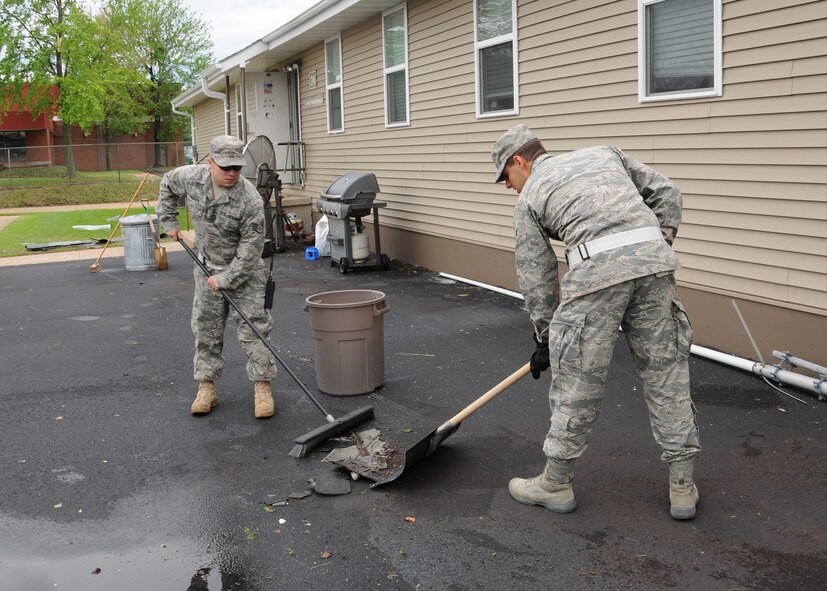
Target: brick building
x=38 y=140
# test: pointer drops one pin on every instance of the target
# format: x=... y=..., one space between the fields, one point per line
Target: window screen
x=496 y=56
x=333 y=77
x=680 y=46
x=396 y=66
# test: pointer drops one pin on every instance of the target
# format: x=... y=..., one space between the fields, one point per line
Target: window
x=333 y=80
x=12 y=146
x=679 y=49
x=395 y=49
x=495 y=44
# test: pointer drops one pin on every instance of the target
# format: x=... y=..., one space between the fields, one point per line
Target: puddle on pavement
x=167 y=537
x=174 y=565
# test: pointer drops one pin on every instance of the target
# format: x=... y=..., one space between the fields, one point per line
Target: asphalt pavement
x=110 y=484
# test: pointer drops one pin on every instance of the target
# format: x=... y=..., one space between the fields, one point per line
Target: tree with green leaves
x=172 y=47
x=107 y=89
x=116 y=69
x=32 y=64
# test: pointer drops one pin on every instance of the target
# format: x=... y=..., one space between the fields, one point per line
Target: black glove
x=539 y=359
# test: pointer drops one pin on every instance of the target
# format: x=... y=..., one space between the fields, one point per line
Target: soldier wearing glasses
x=228 y=215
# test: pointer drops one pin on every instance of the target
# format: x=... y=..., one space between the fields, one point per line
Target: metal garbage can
x=138 y=242
x=349 y=340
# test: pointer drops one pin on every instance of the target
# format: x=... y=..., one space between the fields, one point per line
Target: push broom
x=334 y=426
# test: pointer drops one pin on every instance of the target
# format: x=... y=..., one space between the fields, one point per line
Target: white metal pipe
x=731 y=360
x=802 y=363
x=220 y=96
x=513 y=294
x=761 y=369
x=192 y=127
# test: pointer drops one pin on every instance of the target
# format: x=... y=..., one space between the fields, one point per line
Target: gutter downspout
x=222 y=97
x=761 y=369
x=191 y=117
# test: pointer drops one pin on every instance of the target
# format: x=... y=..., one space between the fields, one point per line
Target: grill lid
x=353 y=186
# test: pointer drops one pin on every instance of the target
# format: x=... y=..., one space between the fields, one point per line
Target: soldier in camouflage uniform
x=228 y=214
x=617 y=218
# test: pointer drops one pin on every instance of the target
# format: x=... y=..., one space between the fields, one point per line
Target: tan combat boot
x=205 y=398
x=551 y=489
x=683 y=494
x=265 y=407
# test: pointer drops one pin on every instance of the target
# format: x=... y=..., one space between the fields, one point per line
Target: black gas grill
x=350 y=198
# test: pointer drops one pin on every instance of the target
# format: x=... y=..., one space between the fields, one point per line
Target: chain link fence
x=88 y=160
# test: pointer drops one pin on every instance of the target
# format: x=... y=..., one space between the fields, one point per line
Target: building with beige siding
x=726 y=97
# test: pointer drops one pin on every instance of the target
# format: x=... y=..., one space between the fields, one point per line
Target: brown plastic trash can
x=349 y=336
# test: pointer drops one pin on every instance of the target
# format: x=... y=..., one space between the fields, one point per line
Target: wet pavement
x=109 y=482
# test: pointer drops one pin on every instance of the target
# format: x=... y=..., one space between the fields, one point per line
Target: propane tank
x=359 y=242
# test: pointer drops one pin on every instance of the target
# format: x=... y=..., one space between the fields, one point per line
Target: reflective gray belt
x=585 y=250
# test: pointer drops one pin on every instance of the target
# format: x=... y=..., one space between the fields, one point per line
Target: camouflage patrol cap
x=511 y=141
x=227 y=150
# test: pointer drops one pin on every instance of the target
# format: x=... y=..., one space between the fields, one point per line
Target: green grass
x=46 y=227
x=86 y=188
x=49 y=186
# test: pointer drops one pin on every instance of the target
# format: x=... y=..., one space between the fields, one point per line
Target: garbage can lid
x=137 y=219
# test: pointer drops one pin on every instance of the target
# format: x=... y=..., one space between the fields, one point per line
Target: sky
x=235 y=25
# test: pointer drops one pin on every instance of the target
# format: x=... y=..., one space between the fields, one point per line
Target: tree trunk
x=160 y=148
x=108 y=140
x=71 y=171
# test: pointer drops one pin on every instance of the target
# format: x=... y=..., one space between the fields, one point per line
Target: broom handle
x=125 y=211
x=490 y=395
x=261 y=337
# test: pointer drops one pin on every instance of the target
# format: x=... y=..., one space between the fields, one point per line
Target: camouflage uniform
x=229 y=232
x=576 y=198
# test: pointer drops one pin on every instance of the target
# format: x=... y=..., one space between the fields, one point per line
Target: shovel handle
x=490 y=395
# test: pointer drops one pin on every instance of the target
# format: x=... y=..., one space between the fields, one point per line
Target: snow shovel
x=334 y=426
x=428 y=445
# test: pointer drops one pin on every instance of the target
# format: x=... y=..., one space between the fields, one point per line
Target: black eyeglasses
x=235 y=168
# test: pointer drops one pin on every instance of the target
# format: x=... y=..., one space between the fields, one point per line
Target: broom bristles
x=310 y=440
x=299 y=451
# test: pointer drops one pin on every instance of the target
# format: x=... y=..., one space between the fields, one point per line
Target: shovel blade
x=419 y=451
x=161 y=259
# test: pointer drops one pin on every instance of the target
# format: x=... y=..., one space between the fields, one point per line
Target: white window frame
x=478 y=47
x=643 y=58
x=335 y=86
x=398 y=68
x=239 y=120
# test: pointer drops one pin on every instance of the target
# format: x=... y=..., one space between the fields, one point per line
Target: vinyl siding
x=209 y=122
x=752 y=164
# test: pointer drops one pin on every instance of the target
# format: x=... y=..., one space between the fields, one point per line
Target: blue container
x=311 y=254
